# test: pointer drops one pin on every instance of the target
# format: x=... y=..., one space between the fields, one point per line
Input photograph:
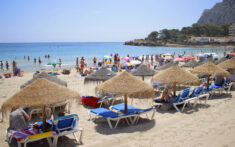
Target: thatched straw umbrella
x=191 y=63
x=46 y=76
x=228 y=64
x=100 y=75
x=165 y=66
x=209 y=69
x=175 y=75
x=127 y=85
x=41 y=92
x=221 y=60
x=143 y=70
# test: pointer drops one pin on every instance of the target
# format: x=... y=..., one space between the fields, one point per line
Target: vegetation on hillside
x=182 y=36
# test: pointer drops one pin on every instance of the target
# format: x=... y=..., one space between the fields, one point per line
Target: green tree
x=153 y=36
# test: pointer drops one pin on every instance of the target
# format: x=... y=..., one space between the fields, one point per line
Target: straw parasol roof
x=221 y=60
x=228 y=64
x=209 y=68
x=165 y=66
x=191 y=63
x=46 y=76
x=143 y=70
x=126 y=84
x=40 y=92
x=102 y=74
x=175 y=74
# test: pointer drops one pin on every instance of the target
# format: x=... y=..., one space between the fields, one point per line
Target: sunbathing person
x=166 y=96
x=19 y=120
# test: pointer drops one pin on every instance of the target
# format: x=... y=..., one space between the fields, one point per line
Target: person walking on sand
x=39 y=61
x=28 y=58
x=7 y=65
x=60 y=63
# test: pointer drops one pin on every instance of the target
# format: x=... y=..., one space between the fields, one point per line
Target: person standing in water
x=14 y=66
x=7 y=65
x=60 y=62
x=39 y=61
x=1 y=64
x=35 y=60
x=94 y=61
x=28 y=58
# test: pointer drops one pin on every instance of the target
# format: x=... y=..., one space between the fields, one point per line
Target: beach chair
x=196 y=95
x=66 y=125
x=110 y=116
x=134 y=110
x=27 y=136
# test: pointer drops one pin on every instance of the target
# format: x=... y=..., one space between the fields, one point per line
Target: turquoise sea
x=69 y=51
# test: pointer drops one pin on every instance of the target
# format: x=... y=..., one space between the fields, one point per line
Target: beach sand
x=206 y=125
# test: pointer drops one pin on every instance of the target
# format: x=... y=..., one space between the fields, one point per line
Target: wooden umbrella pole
x=174 y=88
x=143 y=78
x=125 y=101
x=44 y=119
x=208 y=79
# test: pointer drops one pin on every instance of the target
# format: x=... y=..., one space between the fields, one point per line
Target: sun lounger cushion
x=105 y=112
x=130 y=109
x=90 y=101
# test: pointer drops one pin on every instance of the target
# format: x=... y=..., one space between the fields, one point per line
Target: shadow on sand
x=144 y=124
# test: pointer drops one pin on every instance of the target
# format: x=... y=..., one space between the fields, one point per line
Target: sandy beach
x=205 y=125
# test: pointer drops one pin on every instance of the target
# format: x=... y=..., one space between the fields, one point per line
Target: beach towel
x=90 y=101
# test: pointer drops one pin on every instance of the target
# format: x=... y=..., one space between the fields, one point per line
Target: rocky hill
x=220 y=14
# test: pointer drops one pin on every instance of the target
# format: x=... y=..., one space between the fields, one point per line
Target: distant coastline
x=155 y=43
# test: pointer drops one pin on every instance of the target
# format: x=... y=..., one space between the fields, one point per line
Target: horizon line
x=65 y=42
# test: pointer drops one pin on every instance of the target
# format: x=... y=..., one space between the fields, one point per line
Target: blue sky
x=94 y=20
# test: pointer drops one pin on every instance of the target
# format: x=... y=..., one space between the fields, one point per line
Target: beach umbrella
x=191 y=63
x=46 y=76
x=168 y=57
x=228 y=64
x=53 y=63
x=178 y=59
x=126 y=64
x=127 y=85
x=216 y=56
x=135 y=62
x=220 y=60
x=133 y=57
x=41 y=92
x=201 y=55
x=126 y=58
x=209 y=69
x=107 y=57
x=167 y=54
x=165 y=66
x=175 y=75
x=100 y=75
x=189 y=58
x=143 y=70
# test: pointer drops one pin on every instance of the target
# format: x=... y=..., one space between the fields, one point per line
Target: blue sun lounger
x=133 y=110
x=110 y=116
x=65 y=125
